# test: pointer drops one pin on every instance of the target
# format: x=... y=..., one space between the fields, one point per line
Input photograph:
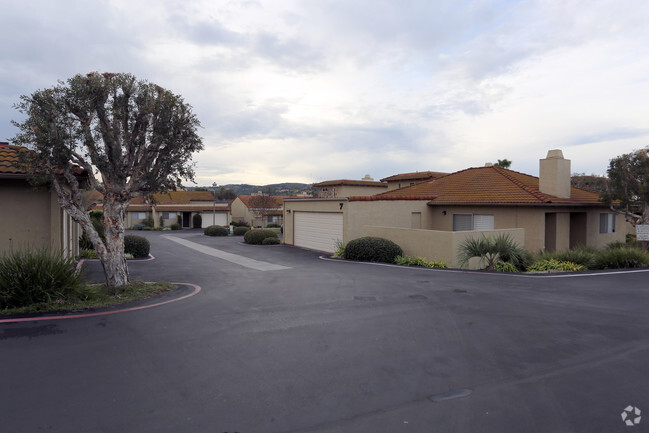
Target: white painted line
x=232 y=258
x=500 y=274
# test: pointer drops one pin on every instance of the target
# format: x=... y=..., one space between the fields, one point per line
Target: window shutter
x=462 y=222
x=483 y=222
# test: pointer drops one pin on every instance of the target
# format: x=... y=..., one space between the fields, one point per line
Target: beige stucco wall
x=32 y=218
x=435 y=245
x=387 y=213
x=240 y=212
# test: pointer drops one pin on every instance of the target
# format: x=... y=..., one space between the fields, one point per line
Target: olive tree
x=628 y=186
x=128 y=138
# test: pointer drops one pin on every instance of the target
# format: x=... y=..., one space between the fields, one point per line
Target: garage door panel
x=318 y=230
x=208 y=217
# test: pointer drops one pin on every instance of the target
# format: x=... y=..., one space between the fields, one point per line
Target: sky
x=314 y=90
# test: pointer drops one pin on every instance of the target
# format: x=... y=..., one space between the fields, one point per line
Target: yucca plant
x=491 y=250
x=35 y=276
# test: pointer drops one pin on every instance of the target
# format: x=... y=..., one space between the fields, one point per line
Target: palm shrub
x=372 y=249
x=216 y=231
x=34 y=276
x=621 y=258
x=491 y=250
x=256 y=237
x=139 y=246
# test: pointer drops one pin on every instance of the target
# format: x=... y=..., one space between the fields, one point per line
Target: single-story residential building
x=408 y=179
x=349 y=187
x=259 y=210
x=430 y=219
x=178 y=206
x=31 y=216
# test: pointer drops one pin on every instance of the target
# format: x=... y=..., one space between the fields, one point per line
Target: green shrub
x=35 y=276
x=88 y=254
x=138 y=226
x=271 y=241
x=256 y=237
x=491 y=250
x=505 y=267
x=176 y=226
x=216 y=231
x=240 y=230
x=340 y=250
x=162 y=221
x=418 y=261
x=197 y=221
x=137 y=245
x=95 y=219
x=148 y=221
x=581 y=255
x=272 y=226
x=621 y=258
x=554 y=265
x=372 y=249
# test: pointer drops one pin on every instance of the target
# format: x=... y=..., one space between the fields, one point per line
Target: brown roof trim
x=519 y=204
x=391 y=198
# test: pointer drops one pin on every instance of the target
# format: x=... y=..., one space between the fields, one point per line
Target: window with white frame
x=140 y=215
x=169 y=215
x=464 y=222
x=607 y=222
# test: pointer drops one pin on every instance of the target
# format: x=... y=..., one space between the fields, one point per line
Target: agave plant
x=491 y=250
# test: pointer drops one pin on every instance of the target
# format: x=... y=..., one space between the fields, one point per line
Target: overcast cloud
x=307 y=91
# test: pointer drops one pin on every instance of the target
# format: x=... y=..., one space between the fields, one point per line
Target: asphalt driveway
x=313 y=345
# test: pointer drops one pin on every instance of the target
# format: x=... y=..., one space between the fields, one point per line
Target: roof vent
x=488 y=164
x=367 y=177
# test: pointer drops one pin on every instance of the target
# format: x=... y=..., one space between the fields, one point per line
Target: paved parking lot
x=302 y=344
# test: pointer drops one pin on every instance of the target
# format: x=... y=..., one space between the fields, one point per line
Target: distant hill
x=286 y=188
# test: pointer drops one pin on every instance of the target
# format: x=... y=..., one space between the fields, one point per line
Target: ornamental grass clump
x=418 y=261
x=584 y=256
x=372 y=249
x=38 y=276
x=545 y=265
x=621 y=258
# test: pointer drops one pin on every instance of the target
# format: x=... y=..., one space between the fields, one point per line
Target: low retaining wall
x=435 y=245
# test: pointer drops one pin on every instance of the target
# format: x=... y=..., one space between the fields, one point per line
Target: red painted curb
x=104 y=313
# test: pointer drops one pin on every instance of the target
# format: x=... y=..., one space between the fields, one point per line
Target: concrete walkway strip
x=233 y=258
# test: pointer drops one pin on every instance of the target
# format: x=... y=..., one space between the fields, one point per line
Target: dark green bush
x=238 y=223
x=95 y=219
x=148 y=221
x=256 y=237
x=271 y=241
x=138 y=226
x=621 y=258
x=138 y=246
x=30 y=277
x=216 y=231
x=372 y=249
x=176 y=226
x=197 y=221
x=581 y=255
x=240 y=230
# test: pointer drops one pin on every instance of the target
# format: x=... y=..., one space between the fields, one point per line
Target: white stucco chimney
x=554 y=174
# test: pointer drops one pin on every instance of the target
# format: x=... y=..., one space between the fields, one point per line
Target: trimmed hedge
x=256 y=237
x=137 y=245
x=271 y=241
x=197 y=221
x=176 y=226
x=216 y=231
x=372 y=249
x=240 y=230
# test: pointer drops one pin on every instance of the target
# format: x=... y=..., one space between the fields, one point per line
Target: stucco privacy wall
x=435 y=245
x=386 y=213
x=32 y=218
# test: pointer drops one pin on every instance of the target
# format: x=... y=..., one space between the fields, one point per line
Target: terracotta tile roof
x=278 y=199
x=8 y=158
x=177 y=197
x=488 y=186
x=418 y=175
x=350 y=182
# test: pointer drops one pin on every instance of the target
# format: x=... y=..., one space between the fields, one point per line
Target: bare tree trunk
x=112 y=258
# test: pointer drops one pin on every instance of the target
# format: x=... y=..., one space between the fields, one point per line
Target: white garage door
x=208 y=217
x=320 y=231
